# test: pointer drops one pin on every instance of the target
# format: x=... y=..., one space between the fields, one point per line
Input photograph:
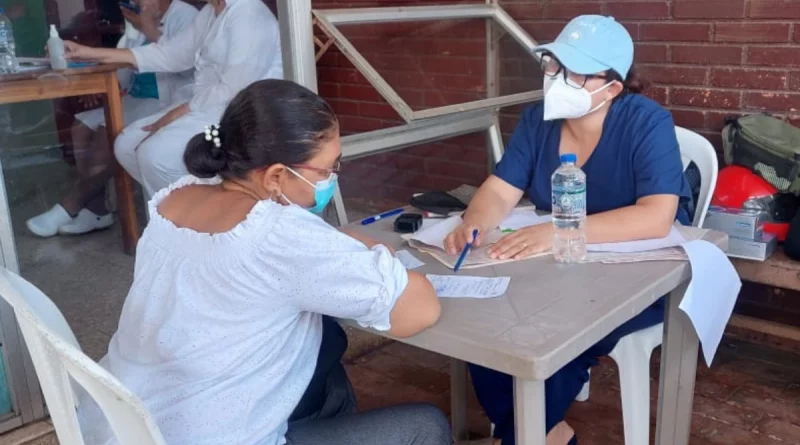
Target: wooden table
x=778 y=271
x=101 y=79
x=551 y=314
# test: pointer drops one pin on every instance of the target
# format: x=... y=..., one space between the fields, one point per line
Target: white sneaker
x=47 y=224
x=86 y=221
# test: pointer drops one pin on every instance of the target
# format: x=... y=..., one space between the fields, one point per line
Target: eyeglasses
x=337 y=168
x=552 y=68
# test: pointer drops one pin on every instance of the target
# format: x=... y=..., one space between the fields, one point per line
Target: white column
x=297 y=42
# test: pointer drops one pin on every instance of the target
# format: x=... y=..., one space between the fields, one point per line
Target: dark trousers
x=329 y=394
x=495 y=390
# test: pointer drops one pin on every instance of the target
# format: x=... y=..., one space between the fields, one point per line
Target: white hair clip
x=212 y=134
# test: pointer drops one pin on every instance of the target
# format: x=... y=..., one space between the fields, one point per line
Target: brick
x=753 y=79
x=455 y=169
x=359 y=92
x=524 y=11
x=328 y=90
x=658 y=94
x=633 y=29
x=707 y=55
x=344 y=107
x=743 y=418
x=771 y=56
x=708 y=9
x=752 y=32
x=458 y=47
x=705 y=98
x=543 y=31
x=568 y=11
x=646 y=52
x=359 y=124
x=794 y=81
x=341 y=75
x=638 y=10
x=688 y=118
x=781 y=430
x=676 y=32
x=371 y=109
x=451 y=65
x=780 y=102
x=775 y=9
x=674 y=75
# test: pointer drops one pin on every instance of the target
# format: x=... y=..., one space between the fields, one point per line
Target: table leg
x=678 y=372
x=529 y=412
x=126 y=207
x=458 y=399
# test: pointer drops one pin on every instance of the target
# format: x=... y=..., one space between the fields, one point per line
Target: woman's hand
x=458 y=238
x=524 y=243
x=367 y=240
x=91 y=101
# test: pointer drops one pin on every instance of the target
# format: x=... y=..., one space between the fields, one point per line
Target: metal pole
x=299 y=65
x=297 y=42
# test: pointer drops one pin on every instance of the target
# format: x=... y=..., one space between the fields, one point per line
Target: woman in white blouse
x=231 y=44
x=221 y=328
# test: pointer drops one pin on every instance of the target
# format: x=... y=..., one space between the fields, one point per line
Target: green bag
x=768 y=146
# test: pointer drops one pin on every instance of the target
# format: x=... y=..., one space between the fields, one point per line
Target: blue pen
x=372 y=219
x=465 y=251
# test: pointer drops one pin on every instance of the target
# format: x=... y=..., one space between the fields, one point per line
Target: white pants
x=133 y=109
x=157 y=161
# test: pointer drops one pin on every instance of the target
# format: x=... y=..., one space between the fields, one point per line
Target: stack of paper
x=430 y=239
x=663 y=249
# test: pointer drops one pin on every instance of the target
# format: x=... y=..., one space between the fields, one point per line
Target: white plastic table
x=550 y=315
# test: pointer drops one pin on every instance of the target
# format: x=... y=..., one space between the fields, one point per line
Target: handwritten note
x=452 y=286
x=408 y=260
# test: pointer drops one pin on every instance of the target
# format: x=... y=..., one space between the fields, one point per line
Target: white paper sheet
x=519 y=218
x=459 y=286
x=711 y=294
x=435 y=234
x=408 y=260
x=672 y=240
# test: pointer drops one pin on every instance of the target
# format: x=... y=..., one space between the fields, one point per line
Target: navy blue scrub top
x=637 y=156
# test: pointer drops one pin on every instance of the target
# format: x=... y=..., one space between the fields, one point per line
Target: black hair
x=271 y=121
x=633 y=83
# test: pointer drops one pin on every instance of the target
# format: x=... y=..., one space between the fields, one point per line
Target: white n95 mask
x=563 y=101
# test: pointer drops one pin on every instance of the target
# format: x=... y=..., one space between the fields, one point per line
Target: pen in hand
x=465 y=251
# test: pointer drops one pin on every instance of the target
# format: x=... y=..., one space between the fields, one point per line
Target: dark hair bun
x=635 y=83
x=202 y=158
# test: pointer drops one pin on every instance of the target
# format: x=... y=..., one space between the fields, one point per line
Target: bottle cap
x=569 y=158
x=53 y=31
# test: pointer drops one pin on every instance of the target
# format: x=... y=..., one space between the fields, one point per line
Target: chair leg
x=634 y=379
x=584 y=394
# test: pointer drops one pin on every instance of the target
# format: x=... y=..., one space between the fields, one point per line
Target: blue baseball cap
x=591 y=44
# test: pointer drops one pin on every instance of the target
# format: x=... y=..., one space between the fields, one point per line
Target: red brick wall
x=707 y=59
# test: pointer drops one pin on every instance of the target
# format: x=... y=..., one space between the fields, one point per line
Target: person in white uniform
x=220 y=331
x=231 y=44
x=84 y=209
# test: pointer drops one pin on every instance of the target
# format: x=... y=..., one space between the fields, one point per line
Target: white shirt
x=219 y=334
x=228 y=52
x=179 y=16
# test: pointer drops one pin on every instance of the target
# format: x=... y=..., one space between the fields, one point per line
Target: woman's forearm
x=636 y=222
x=113 y=55
x=492 y=203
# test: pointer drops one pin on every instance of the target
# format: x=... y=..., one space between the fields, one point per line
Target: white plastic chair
x=57 y=360
x=632 y=353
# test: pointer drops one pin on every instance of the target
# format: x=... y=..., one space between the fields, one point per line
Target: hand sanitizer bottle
x=55 y=46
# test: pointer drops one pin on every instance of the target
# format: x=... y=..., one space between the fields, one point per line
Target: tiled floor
x=751 y=396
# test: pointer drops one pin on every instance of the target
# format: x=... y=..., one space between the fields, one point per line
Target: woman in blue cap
x=626 y=145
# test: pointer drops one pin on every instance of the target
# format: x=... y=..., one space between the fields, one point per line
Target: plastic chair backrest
x=56 y=360
x=695 y=148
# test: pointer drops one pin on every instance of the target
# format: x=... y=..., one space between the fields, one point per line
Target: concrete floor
x=752 y=396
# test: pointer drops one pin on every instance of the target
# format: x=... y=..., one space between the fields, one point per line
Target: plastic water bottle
x=569 y=211
x=8 y=50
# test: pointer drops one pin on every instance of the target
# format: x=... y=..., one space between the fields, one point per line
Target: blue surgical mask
x=323 y=191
